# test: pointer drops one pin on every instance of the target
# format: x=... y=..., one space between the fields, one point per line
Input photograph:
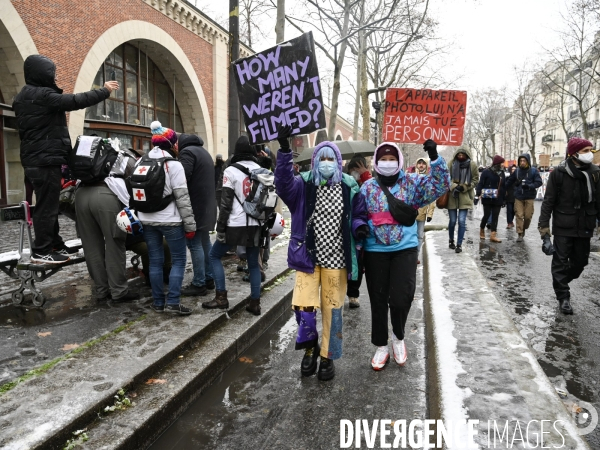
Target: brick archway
x=161 y=47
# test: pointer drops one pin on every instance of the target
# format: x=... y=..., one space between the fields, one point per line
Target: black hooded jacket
x=40 y=109
x=200 y=175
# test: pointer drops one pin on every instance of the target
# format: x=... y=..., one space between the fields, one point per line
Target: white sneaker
x=400 y=352
x=382 y=355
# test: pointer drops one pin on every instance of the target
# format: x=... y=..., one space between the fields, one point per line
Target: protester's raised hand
x=430 y=147
x=283 y=134
x=111 y=85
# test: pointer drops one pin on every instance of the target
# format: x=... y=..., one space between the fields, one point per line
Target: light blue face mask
x=327 y=168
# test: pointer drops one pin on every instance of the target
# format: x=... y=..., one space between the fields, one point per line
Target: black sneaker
x=51 y=258
x=129 y=296
x=178 y=309
x=451 y=245
x=191 y=290
x=66 y=251
x=157 y=308
x=210 y=285
x=326 y=369
x=458 y=249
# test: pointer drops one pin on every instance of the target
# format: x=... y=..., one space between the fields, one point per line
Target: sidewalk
x=480 y=368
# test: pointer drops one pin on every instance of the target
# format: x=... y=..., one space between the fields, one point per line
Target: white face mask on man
x=387 y=168
x=585 y=158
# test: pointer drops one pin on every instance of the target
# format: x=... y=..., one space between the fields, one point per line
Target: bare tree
x=252 y=15
x=574 y=69
x=486 y=115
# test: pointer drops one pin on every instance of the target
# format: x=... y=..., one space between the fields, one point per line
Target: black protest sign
x=281 y=86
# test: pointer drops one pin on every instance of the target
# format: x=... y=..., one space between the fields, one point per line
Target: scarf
x=389 y=180
x=583 y=180
x=461 y=171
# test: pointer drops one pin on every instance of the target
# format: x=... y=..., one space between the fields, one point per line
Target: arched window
x=144 y=95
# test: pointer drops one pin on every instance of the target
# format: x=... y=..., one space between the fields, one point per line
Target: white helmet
x=277 y=227
x=129 y=223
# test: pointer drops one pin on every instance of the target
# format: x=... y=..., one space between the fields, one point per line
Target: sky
x=489 y=38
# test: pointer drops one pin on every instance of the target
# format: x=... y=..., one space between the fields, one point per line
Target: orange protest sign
x=415 y=115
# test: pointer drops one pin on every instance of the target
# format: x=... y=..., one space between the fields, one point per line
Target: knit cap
x=497 y=160
x=162 y=137
x=575 y=144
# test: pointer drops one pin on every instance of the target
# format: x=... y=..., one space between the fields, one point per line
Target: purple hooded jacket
x=299 y=193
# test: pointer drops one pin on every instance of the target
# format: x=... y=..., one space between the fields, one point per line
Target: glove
x=476 y=200
x=221 y=237
x=544 y=231
x=362 y=232
x=190 y=235
x=460 y=188
x=547 y=246
x=283 y=134
x=429 y=219
x=525 y=184
x=431 y=148
x=455 y=193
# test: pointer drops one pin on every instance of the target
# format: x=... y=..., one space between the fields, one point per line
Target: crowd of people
x=345 y=220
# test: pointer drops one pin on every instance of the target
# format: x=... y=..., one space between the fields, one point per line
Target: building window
x=144 y=94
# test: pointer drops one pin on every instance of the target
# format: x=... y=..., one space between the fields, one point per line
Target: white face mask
x=387 y=168
x=586 y=158
x=355 y=175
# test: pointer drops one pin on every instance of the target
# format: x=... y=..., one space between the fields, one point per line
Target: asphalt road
x=567 y=347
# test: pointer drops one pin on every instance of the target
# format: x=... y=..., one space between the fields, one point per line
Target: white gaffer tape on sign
x=141 y=170
x=140 y=195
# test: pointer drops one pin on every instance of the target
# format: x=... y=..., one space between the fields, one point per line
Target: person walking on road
x=392 y=249
x=236 y=228
x=426 y=212
x=526 y=180
x=572 y=199
x=328 y=213
x=40 y=109
x=198 y=167
x=175 y=223
x=464 y=175
x=510 y=202
x=492 y=190
x=357 y=168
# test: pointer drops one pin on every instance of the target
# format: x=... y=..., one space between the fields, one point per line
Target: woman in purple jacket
x=328 y=212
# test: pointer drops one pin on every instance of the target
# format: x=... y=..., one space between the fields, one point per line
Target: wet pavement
x=567 y=347
x=261 y=401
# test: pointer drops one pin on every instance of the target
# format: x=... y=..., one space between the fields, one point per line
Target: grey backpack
x=261 y=201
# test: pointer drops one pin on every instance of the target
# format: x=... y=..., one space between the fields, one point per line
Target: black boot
x=254 y=306
x=565 y=306
x=220 y=301
x=326 y=369
x=451 y=244
x=309 y=362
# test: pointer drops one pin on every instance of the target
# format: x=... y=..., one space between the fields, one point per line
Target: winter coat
x=510 y=193
x=526 y=182
x=558 y=203
x=491 y=180
x=299 y=193
x=180 y=208
x=198 y=166
x=385 y=234
x=239 y=228
x=40 y=110
x=219 y=169
x=465 y=198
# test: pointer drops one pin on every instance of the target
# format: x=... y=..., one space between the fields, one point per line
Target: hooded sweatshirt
x=526 y=181
x=40 y=110
x=386 y=235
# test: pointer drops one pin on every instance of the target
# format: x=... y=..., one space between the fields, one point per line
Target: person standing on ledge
x=40 y=109
x=572 y=199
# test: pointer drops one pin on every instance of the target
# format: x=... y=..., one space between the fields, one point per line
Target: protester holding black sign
x=327 y=214
x=391 y=246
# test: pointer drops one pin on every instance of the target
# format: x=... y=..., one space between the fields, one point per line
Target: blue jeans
x=217 y=252
x=510 y=212
x=200 y=250
x=175 y=237
x=462 y=224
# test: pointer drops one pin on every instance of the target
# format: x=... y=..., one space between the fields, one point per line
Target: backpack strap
x=241 y=168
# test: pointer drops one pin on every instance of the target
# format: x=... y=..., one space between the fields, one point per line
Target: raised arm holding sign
x=281 y=86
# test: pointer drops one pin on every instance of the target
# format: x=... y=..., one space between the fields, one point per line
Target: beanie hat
x=497 y=160
x=386 y=149
x=162 y=137
x=575 y=144
x=242 y=146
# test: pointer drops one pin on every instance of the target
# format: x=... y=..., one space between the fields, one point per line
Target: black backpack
x=92 y=159
x=147 y=184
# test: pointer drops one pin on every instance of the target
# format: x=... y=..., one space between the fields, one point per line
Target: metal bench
x=17 y=264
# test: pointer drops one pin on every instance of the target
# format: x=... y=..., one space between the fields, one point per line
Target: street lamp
x=377 y=107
